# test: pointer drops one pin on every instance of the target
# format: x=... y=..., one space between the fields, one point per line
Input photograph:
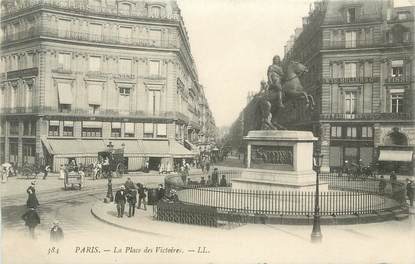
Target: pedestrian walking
x=161 y=192
x=132 y=200
x=215 y=177
x=129 y=184
x=61 y=172
x=410 y=192
x=142 y=196
x=223 y=181
x=110 y=196
x=31 y=219
x=32 y=201
x=382 y=185
x=56 y=232
x=120 y=199
x=46 y=171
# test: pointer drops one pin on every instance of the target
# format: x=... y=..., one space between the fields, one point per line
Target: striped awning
x=395 y=155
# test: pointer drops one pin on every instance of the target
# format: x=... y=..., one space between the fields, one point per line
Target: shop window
x=53 y=128
x=14 y=128
x=148 y=130
x=129 y=129
x=116 y=129
x=68 y=128
x=336 y=131
x=91 y=129
x=367 y=132
x=351 y=15
x=351 y=132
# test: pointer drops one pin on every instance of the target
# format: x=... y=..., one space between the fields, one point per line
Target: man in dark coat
x=31 y=219
x=141 y=196
x=56 y=232
x=132 y=200
x=223 y=181
x=120 y=199
x=410 y=192
x=32 y=201
x=129 y=184
x=160 y=192
x=215 y=177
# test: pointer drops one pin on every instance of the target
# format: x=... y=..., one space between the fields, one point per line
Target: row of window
x=29 y=128
x=365 y=132
x=353 y=69
x=95 y=64
x=118 y=129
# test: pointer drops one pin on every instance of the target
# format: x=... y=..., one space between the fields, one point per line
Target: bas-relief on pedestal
x=279 y=160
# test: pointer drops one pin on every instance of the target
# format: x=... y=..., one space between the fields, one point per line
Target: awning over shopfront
x=395 y=155
x=85 y=147
x=194 y=149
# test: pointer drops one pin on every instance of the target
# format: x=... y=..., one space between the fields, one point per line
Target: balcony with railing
x=400 y=79
x=366 y=116
x=349 y=44
x=80 y=7
x=86 y=113
x=340 y=20
x=50 y=32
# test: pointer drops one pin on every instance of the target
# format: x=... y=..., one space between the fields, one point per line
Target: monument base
x=267 y=180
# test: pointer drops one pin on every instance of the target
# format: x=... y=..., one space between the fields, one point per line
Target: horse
x=262 y=113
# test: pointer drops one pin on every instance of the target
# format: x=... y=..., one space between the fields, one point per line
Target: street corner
x=141 y=222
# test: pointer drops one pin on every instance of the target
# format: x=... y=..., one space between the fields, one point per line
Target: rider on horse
x=275 y=74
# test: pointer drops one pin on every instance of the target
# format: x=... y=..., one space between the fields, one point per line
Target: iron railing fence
x=290 y=203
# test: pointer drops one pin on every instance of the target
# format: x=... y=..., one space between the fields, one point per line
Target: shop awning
x=65 y=93
x=130 y=146
x=73 y=146
x=179 y=151
x=395 y=155
x=156 y=148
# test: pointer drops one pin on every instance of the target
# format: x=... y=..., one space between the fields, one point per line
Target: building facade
x=361 y=73
x=76 y=75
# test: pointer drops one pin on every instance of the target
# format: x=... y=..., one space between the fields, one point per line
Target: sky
x=233 y=42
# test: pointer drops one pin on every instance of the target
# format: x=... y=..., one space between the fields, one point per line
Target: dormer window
x=155 y=11
x=351 y=15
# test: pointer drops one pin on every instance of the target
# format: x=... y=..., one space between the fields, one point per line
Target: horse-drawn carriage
x=113 y=162
x=357 y=171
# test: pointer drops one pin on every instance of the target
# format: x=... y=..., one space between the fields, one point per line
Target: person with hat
x=410 y=191
x=31 y=219
x=120 y=200
x=132 y=200
x=56 y=232
x=32 y=201
x=215 y=177
x=141 y=196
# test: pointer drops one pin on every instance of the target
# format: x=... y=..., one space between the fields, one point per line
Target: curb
x=125 y=227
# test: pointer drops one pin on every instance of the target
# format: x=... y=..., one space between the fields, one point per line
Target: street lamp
x=316 y=235
x=109 y=185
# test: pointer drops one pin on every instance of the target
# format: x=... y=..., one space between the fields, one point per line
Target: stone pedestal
x=279 y=160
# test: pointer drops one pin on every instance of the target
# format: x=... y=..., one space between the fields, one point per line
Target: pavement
x=236 y=243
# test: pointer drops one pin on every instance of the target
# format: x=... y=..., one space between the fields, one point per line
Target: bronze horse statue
x=261 y=112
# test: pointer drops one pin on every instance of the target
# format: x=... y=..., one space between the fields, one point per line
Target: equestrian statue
x=283 y=87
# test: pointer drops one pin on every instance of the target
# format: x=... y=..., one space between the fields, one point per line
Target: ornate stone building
x=76 y=75
x=361 y=62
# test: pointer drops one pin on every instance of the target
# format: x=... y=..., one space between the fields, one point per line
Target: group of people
x=130 y=193
x=395 y=189
x=32 y=219
x=213 y=180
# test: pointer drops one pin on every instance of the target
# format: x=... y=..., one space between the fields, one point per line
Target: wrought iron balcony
x=86 y=113
x=84 y=8
x=367 y=116
x=351 y=80
x=340 y=20
x=343 y=44
x=50 y=32
x=400 y=79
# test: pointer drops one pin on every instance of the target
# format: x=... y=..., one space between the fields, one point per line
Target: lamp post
x=109 y=195
x=316 y=235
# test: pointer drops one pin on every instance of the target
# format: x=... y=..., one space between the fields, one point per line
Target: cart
x=72 y=179
x=116 y=163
